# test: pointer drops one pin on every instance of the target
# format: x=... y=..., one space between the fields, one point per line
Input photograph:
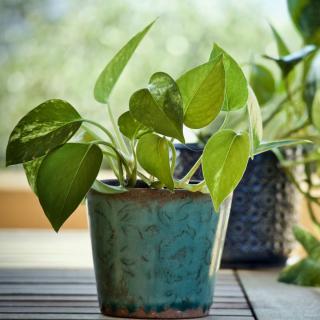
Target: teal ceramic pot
x=155 y=252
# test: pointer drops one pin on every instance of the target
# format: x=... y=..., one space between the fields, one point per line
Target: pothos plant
x=291 y=109
x=140 y=144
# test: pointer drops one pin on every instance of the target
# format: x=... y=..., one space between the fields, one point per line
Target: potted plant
x=261 y=230
x=156 y=240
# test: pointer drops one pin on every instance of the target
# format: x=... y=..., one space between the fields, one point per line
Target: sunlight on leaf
x=111 y=73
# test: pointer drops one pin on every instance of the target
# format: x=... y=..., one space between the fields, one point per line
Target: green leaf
x=315 y=109
x=255 y=121
x=315 y=255
x=47 y=126
x=303 y=273
x=111 y=73
x=225 y=158
x=281 y=45
x=307 y=240
x=64 y=177
x=262 y=83
x=130 y=127
x=31 y=169
x=153 y=156
x=105 y=188
x=202 y=90
x=309 y=94
x=266 y=146
x=236 y=83
x=305 y=15
x=159 y=107
x=288 y=62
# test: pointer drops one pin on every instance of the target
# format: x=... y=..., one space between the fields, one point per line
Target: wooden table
x=30 y=288
x=71 y=294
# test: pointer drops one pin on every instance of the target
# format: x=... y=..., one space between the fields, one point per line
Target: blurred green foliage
x=56 y=48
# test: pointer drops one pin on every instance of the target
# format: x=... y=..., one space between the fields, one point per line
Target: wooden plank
x=59 y=303
x=49 y=297
x=230 y=312
x=71 y=303
x=54 y=289
x=46 y=310
x=273 y=300
x=230 y=299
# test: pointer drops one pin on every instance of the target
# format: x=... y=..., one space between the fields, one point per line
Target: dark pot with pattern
x=156 y=252
x=263 y=211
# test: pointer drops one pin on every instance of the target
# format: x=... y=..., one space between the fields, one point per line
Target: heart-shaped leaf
x=153 y=156
x=266 y=146
x=159 y=107
x=305 y=15
x=111 y=73
x=49 y=125
x=203 y=91
x=262 y=83
x=130 y=127
x=64 y=177
x=236 y=83
x=255 y=121
x=225 y=159
x=281 y=45
x=287 y=63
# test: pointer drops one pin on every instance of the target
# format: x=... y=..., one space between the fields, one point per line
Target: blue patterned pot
x=263 y=211
x=156 y=253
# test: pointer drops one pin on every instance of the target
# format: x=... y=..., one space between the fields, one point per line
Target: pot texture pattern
x=155 y=252
x=263 y=211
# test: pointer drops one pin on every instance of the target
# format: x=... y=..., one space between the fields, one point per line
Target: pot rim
x=145 y=188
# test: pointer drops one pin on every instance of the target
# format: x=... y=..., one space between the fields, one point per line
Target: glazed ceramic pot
x=263 y=212
x=156 y=253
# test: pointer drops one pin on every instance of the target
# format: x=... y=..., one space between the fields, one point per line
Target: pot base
x=167 y=314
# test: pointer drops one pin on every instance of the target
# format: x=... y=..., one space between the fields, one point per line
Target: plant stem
x=111 y=161
x=189 y=175
x=122 y=145
x=91 y=132
x=143 y=177
x=109 y=155
x=174 y=157
x=225 y=120
x=121 y=158
x=194 y=187
x=98 y=125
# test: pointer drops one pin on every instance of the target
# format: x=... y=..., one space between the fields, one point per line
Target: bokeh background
x=56 y=48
